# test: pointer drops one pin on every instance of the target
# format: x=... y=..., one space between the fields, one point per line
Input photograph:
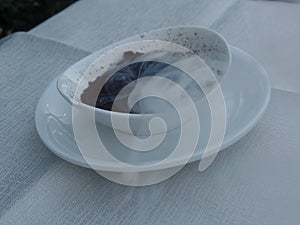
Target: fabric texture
x=266 y=29
x=27 y=65
x=255 y=181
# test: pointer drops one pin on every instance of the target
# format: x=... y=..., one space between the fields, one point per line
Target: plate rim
x=80 y=161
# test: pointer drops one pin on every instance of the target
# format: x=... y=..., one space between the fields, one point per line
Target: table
x=255 y=181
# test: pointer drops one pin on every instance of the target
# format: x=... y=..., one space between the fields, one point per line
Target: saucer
x=246 y=91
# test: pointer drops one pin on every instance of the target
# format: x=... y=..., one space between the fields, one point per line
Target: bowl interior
x=209 y=45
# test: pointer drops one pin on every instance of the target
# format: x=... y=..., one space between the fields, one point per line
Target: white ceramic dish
x=246 y=90
x=203 y=42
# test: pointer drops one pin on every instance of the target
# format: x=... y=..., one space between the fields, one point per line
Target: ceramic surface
x=246 y=90
x=209 y=45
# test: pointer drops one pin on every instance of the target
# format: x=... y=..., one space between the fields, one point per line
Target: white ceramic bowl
x=207 y=44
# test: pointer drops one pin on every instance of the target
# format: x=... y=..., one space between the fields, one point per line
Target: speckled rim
x=92 y=57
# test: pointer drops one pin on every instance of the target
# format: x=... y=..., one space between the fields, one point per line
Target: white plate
x=246 y=90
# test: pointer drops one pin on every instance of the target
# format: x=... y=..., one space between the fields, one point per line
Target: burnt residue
x=105 y=91
x=99 y=92
x=90 y=94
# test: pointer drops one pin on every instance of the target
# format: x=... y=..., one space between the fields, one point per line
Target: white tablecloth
x=255 y=181
x=270 y=31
